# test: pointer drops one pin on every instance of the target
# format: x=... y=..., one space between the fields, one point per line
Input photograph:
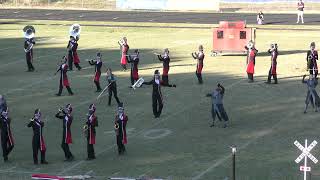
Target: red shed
x=232 y=37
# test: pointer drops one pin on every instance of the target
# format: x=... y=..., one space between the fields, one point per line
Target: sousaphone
x=29 y=32
x=75 y=31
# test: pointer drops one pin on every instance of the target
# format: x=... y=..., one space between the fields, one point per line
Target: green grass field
x=265 y=119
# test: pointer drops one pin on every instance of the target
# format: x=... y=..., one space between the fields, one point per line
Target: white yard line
x=220 y=161
x=143 y=130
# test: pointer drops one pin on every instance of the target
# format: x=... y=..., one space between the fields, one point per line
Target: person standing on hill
x=300 y=5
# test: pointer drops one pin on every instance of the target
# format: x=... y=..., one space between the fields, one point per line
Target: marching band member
x=112 y=86
x=273 y=69
x=72 y=53
x=91 y=124
x=157 y=101
x=28 y=49
x=120 y=124
x=166 y=65
x=199 y=57
x=7 y=141
x=64 y=82
x=98 y=64
x=312 y=57
x=134 y=61
x=312 y=95
x=67 y=118
x=124 y=51
x=260 y=18
x=3 y=103
x=251 y=59
x=38 y=140
x=217 y=105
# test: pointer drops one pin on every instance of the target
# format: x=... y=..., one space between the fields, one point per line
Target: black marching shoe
x=58 y=94
x=212 y=125
x=5 y=159
x=44 y=162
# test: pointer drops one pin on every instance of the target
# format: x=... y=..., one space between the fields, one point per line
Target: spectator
x=300 y=11
x=260 y=18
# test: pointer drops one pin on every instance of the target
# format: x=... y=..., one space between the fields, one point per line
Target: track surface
x=158 y=17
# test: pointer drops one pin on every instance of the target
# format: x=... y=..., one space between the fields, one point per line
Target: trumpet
x=116 y=126
x=85 y=130
x=32 y=119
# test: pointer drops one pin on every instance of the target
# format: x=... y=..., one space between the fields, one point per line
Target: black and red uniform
x=28 y=49
x=38 y=140
x=112 y=88
x=165 y=59
x=64 y=82
x=124 y=55
x=199 y=57
x=157 y=100
x=98 y=64
x=273 y=69
x=92 y=123
x=73 y=57
x=251 y=61
x=7 y=141
x=134 y=75
x=67 y=118
x=120 y=122
x=312 y=57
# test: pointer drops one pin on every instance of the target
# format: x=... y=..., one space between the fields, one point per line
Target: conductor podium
x=231 y=37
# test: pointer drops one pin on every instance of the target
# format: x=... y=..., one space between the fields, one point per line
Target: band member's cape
x=121 y=131
x=251 y=61
x=63 y=75
x=274 y=55
x=7 y=124
x=125 y=49
x=42 y=143
x=92 y=123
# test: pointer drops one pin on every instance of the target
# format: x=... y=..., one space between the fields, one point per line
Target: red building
x=231 y=37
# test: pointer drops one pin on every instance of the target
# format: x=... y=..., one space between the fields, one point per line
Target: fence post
x=234 y=150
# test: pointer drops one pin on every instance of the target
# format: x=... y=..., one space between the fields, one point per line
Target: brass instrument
x=75 y=31
x=116 y=126
x=85 y=129
x=138 y=83
x=28 y=32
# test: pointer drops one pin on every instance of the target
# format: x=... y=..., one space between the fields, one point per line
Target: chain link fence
x=70 y=4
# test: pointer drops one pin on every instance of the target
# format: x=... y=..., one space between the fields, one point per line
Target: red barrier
x=232 y=37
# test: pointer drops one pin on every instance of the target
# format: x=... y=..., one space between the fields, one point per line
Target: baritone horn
x=75 y=30
x=138 y=83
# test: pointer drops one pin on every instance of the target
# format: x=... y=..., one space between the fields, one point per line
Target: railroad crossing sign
x=305 y=155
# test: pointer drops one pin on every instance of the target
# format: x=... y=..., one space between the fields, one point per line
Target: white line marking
x=142 y=130
x=226 y=157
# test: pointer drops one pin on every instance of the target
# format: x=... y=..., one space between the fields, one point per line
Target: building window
x=220 y=35
x=243 y=35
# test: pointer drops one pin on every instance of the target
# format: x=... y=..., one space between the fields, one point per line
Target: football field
x=265 y=119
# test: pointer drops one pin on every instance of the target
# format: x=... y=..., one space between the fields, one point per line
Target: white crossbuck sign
x=305 y=155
